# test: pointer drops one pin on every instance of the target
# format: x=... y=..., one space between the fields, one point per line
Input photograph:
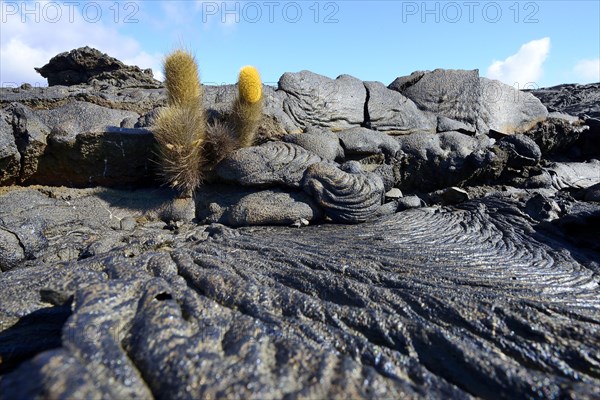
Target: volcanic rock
x=234 y=207
x=10 y=158
x=454 y=94
x=392 y=112
x=312 y=99
x=85 y=64
x=321 y=142
x=270 y=164
x=348 y=195
x=363 y=141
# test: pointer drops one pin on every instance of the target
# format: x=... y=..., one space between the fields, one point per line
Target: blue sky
x=523 y=43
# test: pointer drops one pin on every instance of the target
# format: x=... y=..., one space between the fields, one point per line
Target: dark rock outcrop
x=10 y=158
x=392 y=112
x=434 y=161
x=346 y=195
x=88 y=65
x=312 y=99
x=363 y=141
x=233 y=207
x=271 y=164
x=321 y=142
x=461 y=302
x=471 y=103
x=454 y=94
x=481 y=281
x=582 y=101
x=573 y=99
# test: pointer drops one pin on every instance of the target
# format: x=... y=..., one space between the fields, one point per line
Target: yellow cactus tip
x=249 y=84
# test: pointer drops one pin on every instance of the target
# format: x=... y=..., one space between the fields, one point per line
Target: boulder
x=10 y=158
x=85 y=64
x=233 y=206
x=392 y=112
x=573 y=175
x=454 y=94
x=321 y=142
x=31 y=138
x=470 y=103
x=81 y=144
x=507 y=110
x=408 y=202
x=349 y=195
x=557 y=134
x=270 y=164
x=77 y=117
x=430 y=162
x=542 y=208
x=312 y=99
x=522 y=151
x=363 y=141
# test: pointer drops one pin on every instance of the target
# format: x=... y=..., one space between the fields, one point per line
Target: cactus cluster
x=187 y=144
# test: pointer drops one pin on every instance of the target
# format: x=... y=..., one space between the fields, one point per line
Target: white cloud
x=588 y=71
x=523 y=67
x=25 y=45
x=145 y=60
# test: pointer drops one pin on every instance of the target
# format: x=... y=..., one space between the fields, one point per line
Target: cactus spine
x=180 y=128
x=247 y=109
x=187 y=144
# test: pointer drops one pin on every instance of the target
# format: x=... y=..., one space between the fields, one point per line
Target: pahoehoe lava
x=315 y=312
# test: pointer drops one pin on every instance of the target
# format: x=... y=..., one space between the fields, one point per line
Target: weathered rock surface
x=582 y=101
x=218 y=101
x=470 y=301
x=10 y=158
x=470 y=103
x=30 y=135
x=407 y=202
x=349 y=195
x=270 y=164
x=313 y=99
x=363 y=141
x=228 y=205
x=394 y=113
x=139 y=100
x=454 y=94
x=574 y=175
x=321 y=142
x=85 y=64
x=79 y=145
x=522 y=151
x=507 y=110
x=120 y=294
x=558 y=133
x=573 y=99
x=423 y=157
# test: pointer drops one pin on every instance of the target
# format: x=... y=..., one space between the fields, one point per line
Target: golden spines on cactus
x=248 y=107
x=181 y=78
x=180 y=128
x=249 y=84
x=179 y=132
